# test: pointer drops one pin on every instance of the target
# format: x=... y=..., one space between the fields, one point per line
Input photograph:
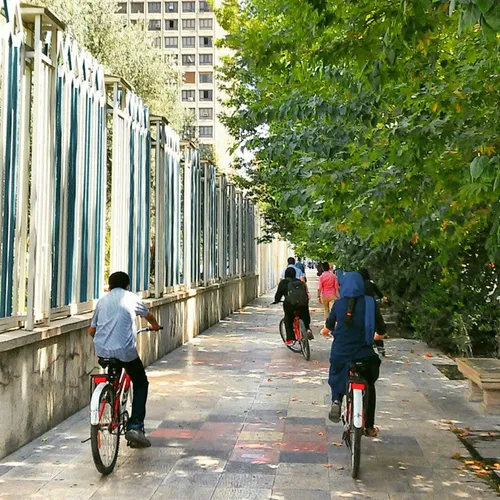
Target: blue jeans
x=140 y=383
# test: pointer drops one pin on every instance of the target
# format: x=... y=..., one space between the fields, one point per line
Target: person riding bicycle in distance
x=113 y=328
x=354 y=319
x=296 y=301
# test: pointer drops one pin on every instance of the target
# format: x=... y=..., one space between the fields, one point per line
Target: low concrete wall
x=44 y=374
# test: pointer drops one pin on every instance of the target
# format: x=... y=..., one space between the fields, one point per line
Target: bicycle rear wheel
x=356 y=451
x=105 y=436
x=295 y=347
x=304 y=341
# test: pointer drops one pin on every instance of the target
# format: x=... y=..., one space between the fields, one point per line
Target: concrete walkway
x=235 y=415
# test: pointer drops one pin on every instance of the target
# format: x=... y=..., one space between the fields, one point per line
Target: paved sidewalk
x=235 y=415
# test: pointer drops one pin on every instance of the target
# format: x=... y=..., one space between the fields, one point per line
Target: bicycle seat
x=113 y=362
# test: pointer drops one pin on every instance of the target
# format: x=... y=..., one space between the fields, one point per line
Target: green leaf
x=497 y=183
x=493 y=17
x=478 y=165
x=485 y=5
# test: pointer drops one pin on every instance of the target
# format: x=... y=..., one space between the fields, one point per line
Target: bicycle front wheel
x=105 y=436
x=304 y=341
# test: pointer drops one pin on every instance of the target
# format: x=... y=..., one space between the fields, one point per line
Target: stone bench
x=484 y=381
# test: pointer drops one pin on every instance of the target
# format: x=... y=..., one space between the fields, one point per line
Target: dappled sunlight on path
x=235 y=415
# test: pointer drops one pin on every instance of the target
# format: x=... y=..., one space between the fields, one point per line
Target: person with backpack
x=355 y=321
x=296 y=300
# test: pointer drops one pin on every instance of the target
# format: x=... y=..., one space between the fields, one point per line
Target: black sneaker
x=334 y=414
x=137 y=439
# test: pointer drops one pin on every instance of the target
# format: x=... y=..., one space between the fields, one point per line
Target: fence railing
x=91 y=184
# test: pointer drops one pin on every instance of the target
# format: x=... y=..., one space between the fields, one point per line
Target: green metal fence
x=91 y=184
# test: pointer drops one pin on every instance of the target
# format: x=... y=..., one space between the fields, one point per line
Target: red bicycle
x=301 y=343
x=110 y=408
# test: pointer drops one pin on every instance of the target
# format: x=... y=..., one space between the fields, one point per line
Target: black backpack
x=297 y=294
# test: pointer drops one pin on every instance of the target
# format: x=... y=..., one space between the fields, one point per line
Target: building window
x=154 y=25
x=206 y=59
x=189 y=24
x=189 y=132
x=171 y=42
x=157 y=42
x=188 y=7
x=188 y=95
x=206 y=131
x=188 y=41
x=205 y=41
x=205 y=7
x=206 y=77
x=206 y=24
x=171 y=24
x=137 y=8
x=188 y=59
x=206 y=113
x=154 y=7
x=189 y=77
x=206 y=95
x=171 y=7
x=122 y=8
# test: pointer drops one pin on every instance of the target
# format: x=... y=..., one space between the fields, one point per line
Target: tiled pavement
x=235 y=415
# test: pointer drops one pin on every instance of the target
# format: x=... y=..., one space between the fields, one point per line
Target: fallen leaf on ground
x=402 y=468
x=269 y=379
x=278 y=412
x=337 y=444
x=268 y=394
x=428 y=355
x=328 y=466
x=293 y=399
x=412 y=350
x=405 y=400
x=320 y=433
x=340 y=468
x=456 y=456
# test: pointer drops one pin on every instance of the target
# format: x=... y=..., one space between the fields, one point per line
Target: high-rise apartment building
x=187 y=30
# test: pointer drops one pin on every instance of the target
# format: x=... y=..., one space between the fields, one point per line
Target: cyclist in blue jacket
x=354 y=319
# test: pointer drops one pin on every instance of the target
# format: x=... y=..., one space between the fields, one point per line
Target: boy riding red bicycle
x=113 y=329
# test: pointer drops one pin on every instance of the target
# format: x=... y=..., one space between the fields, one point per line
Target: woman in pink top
x=328 y=288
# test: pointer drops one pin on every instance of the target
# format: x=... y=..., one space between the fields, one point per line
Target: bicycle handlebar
x=147 y=329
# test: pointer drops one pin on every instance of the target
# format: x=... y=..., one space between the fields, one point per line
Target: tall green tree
x=375 y=130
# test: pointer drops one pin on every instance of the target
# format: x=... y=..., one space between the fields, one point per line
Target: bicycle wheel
x=295 y=347
x=304 y=341
x=105 y=439
x=356 y=451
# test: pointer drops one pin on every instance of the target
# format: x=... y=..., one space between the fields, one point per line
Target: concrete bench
x=484 y=381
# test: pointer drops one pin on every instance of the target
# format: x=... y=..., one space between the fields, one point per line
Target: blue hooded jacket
x=352 y=342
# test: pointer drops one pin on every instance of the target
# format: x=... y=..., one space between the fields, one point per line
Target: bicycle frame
x=296 y=327
x=354 y=409
x=121 y=387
